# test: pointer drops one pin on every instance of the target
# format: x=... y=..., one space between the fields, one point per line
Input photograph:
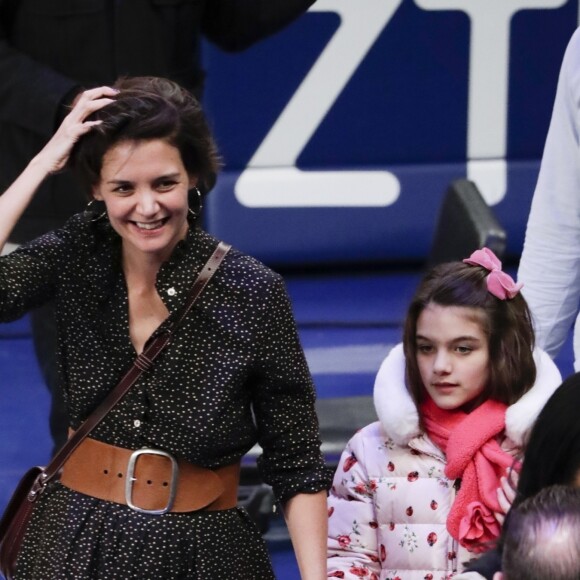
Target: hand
x=506 y=493
x=56 y=152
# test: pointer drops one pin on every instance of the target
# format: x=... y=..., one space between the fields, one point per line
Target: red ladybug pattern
x=349 y=462
x=360 y=571
x=395 y=522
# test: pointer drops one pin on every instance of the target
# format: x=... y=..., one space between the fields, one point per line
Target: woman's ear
x=96 y=193
x=193 y=181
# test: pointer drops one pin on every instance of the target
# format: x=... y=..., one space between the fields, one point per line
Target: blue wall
x=341 y=133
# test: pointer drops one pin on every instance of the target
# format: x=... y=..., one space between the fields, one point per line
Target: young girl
x=424 y=489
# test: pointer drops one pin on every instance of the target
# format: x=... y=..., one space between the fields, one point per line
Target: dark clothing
x=233 y=375
x=132 y=546
x=49 y=49
x=487 y=564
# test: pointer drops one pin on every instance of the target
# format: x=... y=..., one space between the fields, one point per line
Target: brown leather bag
x=19 y=509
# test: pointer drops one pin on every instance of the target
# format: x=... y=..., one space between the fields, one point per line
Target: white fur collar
x=399 y=417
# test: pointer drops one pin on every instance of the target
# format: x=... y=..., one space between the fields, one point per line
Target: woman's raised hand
x=56 y=152
x=52 y=158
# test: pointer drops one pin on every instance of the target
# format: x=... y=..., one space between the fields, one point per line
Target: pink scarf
x=474 y=455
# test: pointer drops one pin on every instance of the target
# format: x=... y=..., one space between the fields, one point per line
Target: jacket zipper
x=455 y=543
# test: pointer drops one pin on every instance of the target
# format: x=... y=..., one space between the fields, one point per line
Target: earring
x=194 y=202
x=95 y=210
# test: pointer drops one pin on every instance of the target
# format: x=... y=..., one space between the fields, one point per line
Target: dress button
x=172 y=291
x=137 y=423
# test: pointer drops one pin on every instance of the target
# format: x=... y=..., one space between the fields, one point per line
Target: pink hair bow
x=499 y=283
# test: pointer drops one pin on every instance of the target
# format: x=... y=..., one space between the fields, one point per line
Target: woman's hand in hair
x=55 y=153
x=506 y=493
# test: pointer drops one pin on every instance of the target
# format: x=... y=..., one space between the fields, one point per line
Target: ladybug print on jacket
x=413 y=476
x=330 y=511
x=391 y=466
x=432 y=538
x=428 y=577
x=349 y=462
x=409 y=511
x=337 y=574
x=434 y=504
x=383 y=553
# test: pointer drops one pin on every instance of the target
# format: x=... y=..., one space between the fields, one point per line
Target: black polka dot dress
x=233 y=375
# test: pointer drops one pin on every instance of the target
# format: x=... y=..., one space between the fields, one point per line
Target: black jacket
x=50 y=49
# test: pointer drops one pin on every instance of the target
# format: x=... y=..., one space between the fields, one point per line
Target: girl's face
x=453 y=355
x=144 y=186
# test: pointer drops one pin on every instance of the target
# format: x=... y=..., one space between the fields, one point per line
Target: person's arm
x=31 y=93
x=52 y=158
x=287 y=425
x=307 y=521
x=235 y=25
x=550 y=261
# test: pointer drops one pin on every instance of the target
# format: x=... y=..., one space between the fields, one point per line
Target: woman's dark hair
x=149 y=108
x=506 y=323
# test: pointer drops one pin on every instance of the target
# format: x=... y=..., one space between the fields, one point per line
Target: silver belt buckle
x=131 y=479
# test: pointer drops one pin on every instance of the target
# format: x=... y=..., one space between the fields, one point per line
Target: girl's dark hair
x=552 y=454
x=149 y=108
x=507 y=324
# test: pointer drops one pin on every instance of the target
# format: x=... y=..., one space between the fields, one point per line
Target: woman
x=233 y=375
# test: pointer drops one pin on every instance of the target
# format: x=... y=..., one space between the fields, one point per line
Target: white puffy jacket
x=390 y=498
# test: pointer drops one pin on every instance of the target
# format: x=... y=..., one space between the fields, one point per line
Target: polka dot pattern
x=233 y=375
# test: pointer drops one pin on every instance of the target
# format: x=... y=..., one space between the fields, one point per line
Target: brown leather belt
x=149 y=480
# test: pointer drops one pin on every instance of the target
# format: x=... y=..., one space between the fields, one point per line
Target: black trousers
x=44 y=337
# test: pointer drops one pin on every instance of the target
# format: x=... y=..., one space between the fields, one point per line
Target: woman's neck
x=141 y=271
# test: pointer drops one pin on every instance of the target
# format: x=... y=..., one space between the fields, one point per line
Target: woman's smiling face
x=144 y=185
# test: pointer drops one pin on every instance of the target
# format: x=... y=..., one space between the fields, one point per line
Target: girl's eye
x=464 y=349
x=424 y=348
